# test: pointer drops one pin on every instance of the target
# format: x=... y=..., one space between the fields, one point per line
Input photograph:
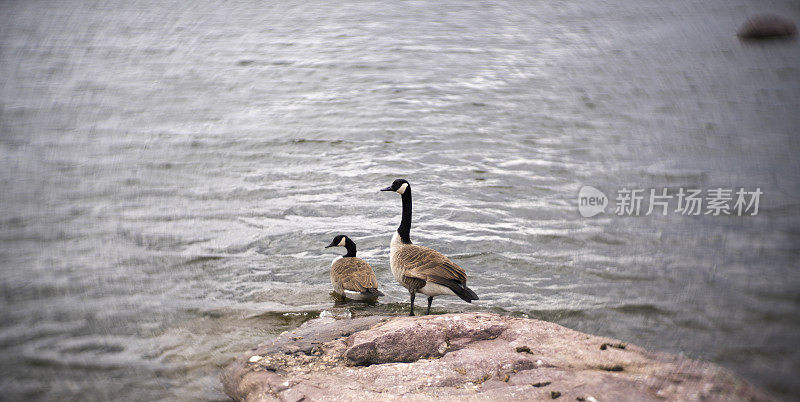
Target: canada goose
x=421 y=269
x=352 y=277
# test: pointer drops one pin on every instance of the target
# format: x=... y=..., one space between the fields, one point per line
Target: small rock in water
x=337 y=313
x=255 y=359
x=767 y=26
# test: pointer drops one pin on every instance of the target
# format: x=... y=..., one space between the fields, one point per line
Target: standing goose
x=421 y=269
x=352 y=277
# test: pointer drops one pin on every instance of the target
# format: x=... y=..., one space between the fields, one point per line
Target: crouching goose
x=351 y=276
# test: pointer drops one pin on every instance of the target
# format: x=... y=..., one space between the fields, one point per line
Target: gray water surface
x=171 y=172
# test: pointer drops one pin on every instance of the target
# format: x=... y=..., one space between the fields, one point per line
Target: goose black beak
x=330 y=245
x=387 y=189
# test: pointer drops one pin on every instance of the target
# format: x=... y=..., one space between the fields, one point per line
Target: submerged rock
x=468 y=356
x=767 y=26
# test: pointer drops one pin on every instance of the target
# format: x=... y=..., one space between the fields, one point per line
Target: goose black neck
x=405 y=223
x=351 y=248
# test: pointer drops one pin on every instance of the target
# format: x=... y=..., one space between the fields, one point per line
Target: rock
x=253 y=375
x=410 y=340
x=468 y=356
x=767 y=26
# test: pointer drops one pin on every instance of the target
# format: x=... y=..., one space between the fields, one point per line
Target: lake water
x=171 y=172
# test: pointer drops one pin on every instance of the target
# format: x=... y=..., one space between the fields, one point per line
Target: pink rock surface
x=469 y=356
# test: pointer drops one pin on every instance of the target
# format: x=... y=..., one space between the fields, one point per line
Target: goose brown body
x=353 y=274
x=421 y=268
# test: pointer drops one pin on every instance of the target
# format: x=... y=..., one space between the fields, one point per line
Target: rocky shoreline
x=468 y=356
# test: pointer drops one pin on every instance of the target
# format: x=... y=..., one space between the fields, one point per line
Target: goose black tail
x=470 y=295
x=373 y=292
x=460 y=289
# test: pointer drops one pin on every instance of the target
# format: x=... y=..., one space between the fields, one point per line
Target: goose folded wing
x=413 y=283
x=429 y=264
x=356 y=276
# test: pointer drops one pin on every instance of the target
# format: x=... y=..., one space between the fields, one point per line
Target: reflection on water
x=171 y=174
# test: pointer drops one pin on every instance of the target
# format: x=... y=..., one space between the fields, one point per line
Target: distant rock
x=468 y=356
x=767 y=26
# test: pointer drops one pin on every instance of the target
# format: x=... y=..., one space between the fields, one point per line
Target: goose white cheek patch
x=402 y=188
x=341 y=243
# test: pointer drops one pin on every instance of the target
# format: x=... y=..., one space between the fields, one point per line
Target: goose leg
x=413 y=295
x=430 y=300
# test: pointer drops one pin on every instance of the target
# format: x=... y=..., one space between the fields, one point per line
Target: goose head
x=339 y=241
x=399 y=186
